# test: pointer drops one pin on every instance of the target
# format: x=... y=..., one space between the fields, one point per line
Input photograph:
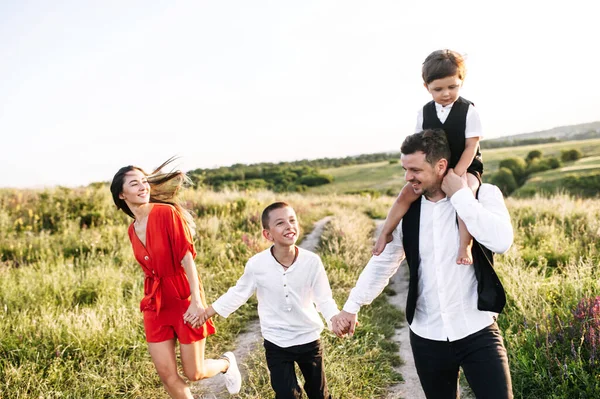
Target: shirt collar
x=439 y=107
x=426 y=201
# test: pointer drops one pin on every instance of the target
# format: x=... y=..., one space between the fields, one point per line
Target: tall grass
x=552 y=269
x=70 y=289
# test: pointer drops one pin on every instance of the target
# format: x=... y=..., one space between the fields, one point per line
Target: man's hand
x=453 y=182
x=344 y=323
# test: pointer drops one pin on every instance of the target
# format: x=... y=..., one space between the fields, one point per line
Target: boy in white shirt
x=291 y=286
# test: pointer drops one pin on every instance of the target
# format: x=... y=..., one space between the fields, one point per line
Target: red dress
x=166 y=288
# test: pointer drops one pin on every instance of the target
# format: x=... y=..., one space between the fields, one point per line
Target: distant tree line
x=490 y=144
x=282 y=176
x=507 y=142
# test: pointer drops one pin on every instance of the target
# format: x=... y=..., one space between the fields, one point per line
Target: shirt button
x=146 y=257
x=285 y=285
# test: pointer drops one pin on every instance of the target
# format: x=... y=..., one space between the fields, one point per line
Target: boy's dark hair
x=432 y=142
x=267 y=211
x=443 y=63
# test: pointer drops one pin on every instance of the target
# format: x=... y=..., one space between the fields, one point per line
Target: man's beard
x=431 y=191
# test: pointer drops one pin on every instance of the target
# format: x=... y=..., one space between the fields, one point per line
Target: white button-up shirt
x=286 y=298
x=447 y=292
x=473 y=126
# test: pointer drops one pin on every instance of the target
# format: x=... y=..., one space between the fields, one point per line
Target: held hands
x=195 y=315
x=453 y=182
x=344 y=323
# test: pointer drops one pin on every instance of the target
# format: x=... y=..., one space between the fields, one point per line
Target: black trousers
x=283 y=374
x=481 y=355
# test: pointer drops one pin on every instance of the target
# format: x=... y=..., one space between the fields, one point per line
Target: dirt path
x=411 y=387
x=214 y=388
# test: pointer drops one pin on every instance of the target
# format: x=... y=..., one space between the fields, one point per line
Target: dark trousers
x=481 y=355
x=283 y=374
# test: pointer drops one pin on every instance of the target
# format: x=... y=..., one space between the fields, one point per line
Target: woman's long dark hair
x=164 y=188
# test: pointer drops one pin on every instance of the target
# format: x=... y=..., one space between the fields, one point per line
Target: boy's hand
x=344 y=323
x=453 y=182
x=194 y=314
x=382 y=241
x=206 y=314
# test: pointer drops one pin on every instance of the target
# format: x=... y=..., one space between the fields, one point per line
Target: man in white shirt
x=451 y=308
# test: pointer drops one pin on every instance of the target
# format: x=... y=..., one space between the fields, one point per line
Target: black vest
x=490 y=293
x=454 y=127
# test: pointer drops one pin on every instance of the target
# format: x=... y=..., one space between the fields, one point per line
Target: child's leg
x=465 y=256
x=406 y=197
x=283 y=374
x=312 y=368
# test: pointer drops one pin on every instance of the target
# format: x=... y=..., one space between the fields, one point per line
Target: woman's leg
x=195 y=366
x=163 y=357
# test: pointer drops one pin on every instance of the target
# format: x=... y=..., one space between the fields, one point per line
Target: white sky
x=89 y=86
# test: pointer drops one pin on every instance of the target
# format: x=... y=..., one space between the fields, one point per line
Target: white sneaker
x=233 y=378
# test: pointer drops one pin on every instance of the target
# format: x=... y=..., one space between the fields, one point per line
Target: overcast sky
x=89 y=86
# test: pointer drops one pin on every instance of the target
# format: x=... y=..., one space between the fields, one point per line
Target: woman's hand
x=194 y=315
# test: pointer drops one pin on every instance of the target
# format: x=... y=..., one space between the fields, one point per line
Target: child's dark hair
x=432 y=142
x=443 y=63
x=267 y=211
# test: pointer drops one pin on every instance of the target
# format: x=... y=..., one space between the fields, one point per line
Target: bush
x=505 y=181
x=533 y=155
x=587 y=186
x=570 y=155
x=537 y=165
x=315 y=180
x=517 y=166
x=554 y=162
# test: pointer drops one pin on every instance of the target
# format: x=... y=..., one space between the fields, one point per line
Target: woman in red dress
x=162 y=240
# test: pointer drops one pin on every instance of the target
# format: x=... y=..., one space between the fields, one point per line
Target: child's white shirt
x=473 y=126
x=288 y=300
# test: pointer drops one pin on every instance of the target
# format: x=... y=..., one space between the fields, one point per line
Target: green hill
x=386 y=177
x=582 y=131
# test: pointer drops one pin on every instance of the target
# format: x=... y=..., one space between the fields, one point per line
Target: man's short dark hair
x=267 y=211
x=432 y=142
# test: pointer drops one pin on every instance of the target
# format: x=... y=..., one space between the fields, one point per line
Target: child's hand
x=204 y=316
x=203 y=319
x=194 y=314
x=344 y=323
x=339 y=326
x=381 y=243
x=453 y=182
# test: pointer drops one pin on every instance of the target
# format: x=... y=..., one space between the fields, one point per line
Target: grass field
x=70 y=325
